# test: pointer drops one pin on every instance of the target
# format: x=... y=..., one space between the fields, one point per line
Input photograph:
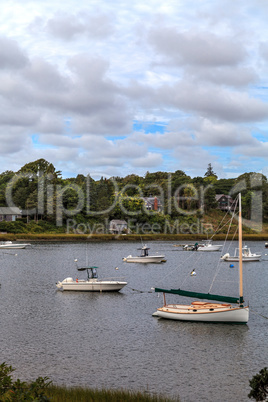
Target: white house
x=117 y=226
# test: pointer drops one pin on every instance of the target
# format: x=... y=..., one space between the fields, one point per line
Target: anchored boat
x=230 y=310
x=145 y=257
x=11 y=245
x=247 y=255
x=92 y=283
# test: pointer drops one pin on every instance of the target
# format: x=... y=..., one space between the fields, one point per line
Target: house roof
x=10 y=211
x=118 y=222
x=151 y=200
x=219 y=196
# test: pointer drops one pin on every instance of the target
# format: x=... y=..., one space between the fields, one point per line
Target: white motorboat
x=92 y=283
x=225 y=312
x=11 y=245
x=145 y=257
x=209 y=246
x=247 y=255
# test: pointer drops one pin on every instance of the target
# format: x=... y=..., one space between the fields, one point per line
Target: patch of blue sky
x=150 y=127
x=262 y=133
x=218 y=150
x=76 y=136
x=222 y=155
x=226 y=157
x=38 y=145
x=260 y=92
x=115 y=137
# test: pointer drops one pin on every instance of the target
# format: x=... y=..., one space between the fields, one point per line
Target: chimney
x=155 y=204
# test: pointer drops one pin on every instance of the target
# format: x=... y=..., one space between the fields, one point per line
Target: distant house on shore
x=153 y=203
x=118 y=226
x=9 y=214
x=224 y=202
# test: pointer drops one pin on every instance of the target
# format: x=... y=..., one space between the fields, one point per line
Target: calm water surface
x=111 y=339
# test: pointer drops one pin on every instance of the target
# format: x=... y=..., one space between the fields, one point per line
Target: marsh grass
x=79 y=394
x=263 y=236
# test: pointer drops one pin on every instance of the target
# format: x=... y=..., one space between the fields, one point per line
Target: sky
x=117 y=88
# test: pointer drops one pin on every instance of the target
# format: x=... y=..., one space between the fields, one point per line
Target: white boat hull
x=146 y=259
x=244 y=259
x=221 y=314
x=91 y=286
x=14 y=245
x=209 y=248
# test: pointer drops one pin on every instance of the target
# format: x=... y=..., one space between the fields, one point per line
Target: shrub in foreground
x=259 y=385
x=11 y=390
x=42 y=390
x=75 y=394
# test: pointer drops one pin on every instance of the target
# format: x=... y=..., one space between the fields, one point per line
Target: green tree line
x=49 y=201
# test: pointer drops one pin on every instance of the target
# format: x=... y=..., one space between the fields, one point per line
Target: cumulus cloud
x=196 y=47
x=72 y=83
x=214 y=101
x=69 y=26
x=12 y=57
x=218 y=134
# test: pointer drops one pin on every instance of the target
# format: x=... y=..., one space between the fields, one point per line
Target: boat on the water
x=144 y=257
x=92 y=283
x=266 y=245
x=11 y=245
x=190 y=247
x=247 y=255
x=208 y=245
x=230 y=310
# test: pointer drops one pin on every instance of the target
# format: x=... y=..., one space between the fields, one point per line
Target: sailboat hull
x=216 y=313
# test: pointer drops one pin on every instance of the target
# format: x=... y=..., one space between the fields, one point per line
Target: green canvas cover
x=208 y=296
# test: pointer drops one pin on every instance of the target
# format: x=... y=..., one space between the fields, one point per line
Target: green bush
x=13 y=227
x=11 y=390
x=259 y=385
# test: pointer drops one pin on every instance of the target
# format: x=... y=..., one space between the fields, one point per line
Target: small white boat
x=92 y=283
x=266 y=245
x=11 y=245
x=209 y=246
x=145 y=257
x=247 y=255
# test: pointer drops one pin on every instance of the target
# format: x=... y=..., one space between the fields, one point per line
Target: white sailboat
x=231 y=310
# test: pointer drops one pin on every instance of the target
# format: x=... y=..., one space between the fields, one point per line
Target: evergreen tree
x=210 y=172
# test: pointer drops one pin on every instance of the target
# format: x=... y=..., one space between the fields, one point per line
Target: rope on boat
x=261 y=315
x=229 y=228
x=139 y=291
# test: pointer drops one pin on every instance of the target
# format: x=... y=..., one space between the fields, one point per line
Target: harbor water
x=111 y=340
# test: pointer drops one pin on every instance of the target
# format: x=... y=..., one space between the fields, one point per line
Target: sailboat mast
x=240 y=253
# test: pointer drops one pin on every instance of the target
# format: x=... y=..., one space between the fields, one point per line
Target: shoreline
x=130 y=237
